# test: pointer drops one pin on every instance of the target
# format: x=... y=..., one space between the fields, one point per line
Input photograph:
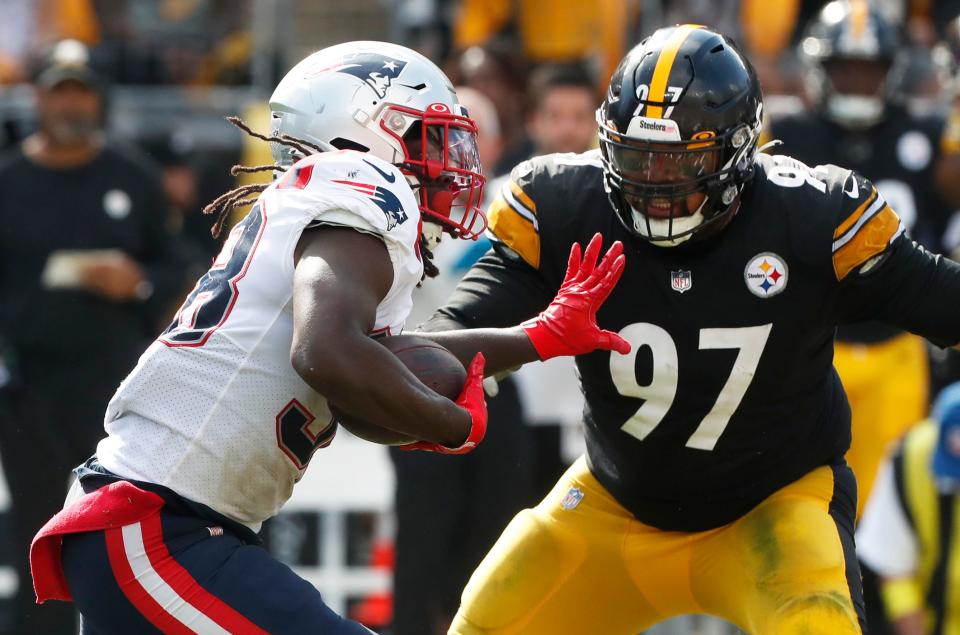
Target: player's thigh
x=789 y=565
x=557 y=568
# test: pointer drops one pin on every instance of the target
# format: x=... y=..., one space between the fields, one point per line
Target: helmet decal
x=661 y=73
x=376 y=70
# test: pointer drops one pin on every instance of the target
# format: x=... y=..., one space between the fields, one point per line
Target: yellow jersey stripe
x=855 y=216
x=514 y=230
x=661 y=72
x=521 y=196
x=869 y=241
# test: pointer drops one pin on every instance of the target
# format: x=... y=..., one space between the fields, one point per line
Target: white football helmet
x=396 y=104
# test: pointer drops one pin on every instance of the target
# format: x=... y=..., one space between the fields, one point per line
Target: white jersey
x=214 y=409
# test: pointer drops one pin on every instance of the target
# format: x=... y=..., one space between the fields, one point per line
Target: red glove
x=568 y=326
x=473 y=401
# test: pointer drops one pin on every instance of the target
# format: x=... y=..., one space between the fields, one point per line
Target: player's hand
x=568 y=326
x=115 y=277
x=473 y=401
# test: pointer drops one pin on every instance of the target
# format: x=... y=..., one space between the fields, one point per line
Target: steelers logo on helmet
x=766 y=275
x=678 y=133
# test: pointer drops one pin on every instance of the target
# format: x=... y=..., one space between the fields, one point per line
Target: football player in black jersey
x=714 y=480
x=851 y=49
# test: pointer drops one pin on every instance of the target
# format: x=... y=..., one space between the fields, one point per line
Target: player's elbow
x=325 y=368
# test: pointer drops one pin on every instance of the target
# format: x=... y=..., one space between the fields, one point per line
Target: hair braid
x=224 y=204
x=430 y=270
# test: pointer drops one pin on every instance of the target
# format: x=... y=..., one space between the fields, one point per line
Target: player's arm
x=341 y=275
x=510 y=285
x=884 y=275
x=913 y=289
x=567 y=326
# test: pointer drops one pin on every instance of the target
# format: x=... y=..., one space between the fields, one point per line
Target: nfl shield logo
x=572 y=499
x=681 y=281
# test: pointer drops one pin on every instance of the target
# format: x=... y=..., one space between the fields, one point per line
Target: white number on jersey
x=212 y=299
x=659 y=394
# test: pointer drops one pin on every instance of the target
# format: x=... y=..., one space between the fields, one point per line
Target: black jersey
x=729 y=392
x=898 y=155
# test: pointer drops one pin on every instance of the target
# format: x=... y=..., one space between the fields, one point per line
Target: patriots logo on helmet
x=376 y=70
x=384 y=198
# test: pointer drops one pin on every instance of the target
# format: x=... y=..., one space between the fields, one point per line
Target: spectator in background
x=563 y=108
x=449 y=513
x=490 y=141
x=85 y=260
x=596 y=33
x=494 y=71
x=17 y=29
x=179 y=166
x=910 y=529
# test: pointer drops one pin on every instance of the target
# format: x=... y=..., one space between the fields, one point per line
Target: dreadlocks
x=237 y=197
x=224 y=204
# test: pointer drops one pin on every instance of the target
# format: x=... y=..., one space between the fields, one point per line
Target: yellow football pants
x=580 y=564
x=887 y=387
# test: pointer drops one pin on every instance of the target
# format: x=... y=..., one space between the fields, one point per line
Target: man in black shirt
x=714 y=479
x=86 y=270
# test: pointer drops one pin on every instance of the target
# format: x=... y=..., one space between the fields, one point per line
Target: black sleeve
x=911 y=288
x=500 y=290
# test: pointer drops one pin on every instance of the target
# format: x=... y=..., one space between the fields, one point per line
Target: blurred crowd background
x=389 y=539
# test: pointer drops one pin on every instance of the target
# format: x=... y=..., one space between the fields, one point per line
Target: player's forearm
x=504 y=349
x=365 y=380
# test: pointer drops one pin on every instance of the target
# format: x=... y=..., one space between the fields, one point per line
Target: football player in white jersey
x=209 y=433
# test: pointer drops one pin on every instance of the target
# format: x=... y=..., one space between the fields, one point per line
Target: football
x=433 y=365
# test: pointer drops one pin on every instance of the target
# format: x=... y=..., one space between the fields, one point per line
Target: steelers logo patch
x=766 y=275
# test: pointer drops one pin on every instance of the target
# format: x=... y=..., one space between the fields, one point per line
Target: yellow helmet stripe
x=661 y=72
x=859 y=12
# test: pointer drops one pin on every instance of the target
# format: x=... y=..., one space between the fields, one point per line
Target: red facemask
x=440 y=152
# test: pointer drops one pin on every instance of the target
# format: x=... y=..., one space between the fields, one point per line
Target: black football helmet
x=850 y=49
x=678 y=133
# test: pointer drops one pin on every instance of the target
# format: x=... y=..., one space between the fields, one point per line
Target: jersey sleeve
x=865 y=228
x=514 y=225
x=882 y=274
x=355 y=190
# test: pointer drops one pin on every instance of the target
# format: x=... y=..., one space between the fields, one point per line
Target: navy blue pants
x=173 y=573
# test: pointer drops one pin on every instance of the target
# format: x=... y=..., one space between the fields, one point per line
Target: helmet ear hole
x=346 y=144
